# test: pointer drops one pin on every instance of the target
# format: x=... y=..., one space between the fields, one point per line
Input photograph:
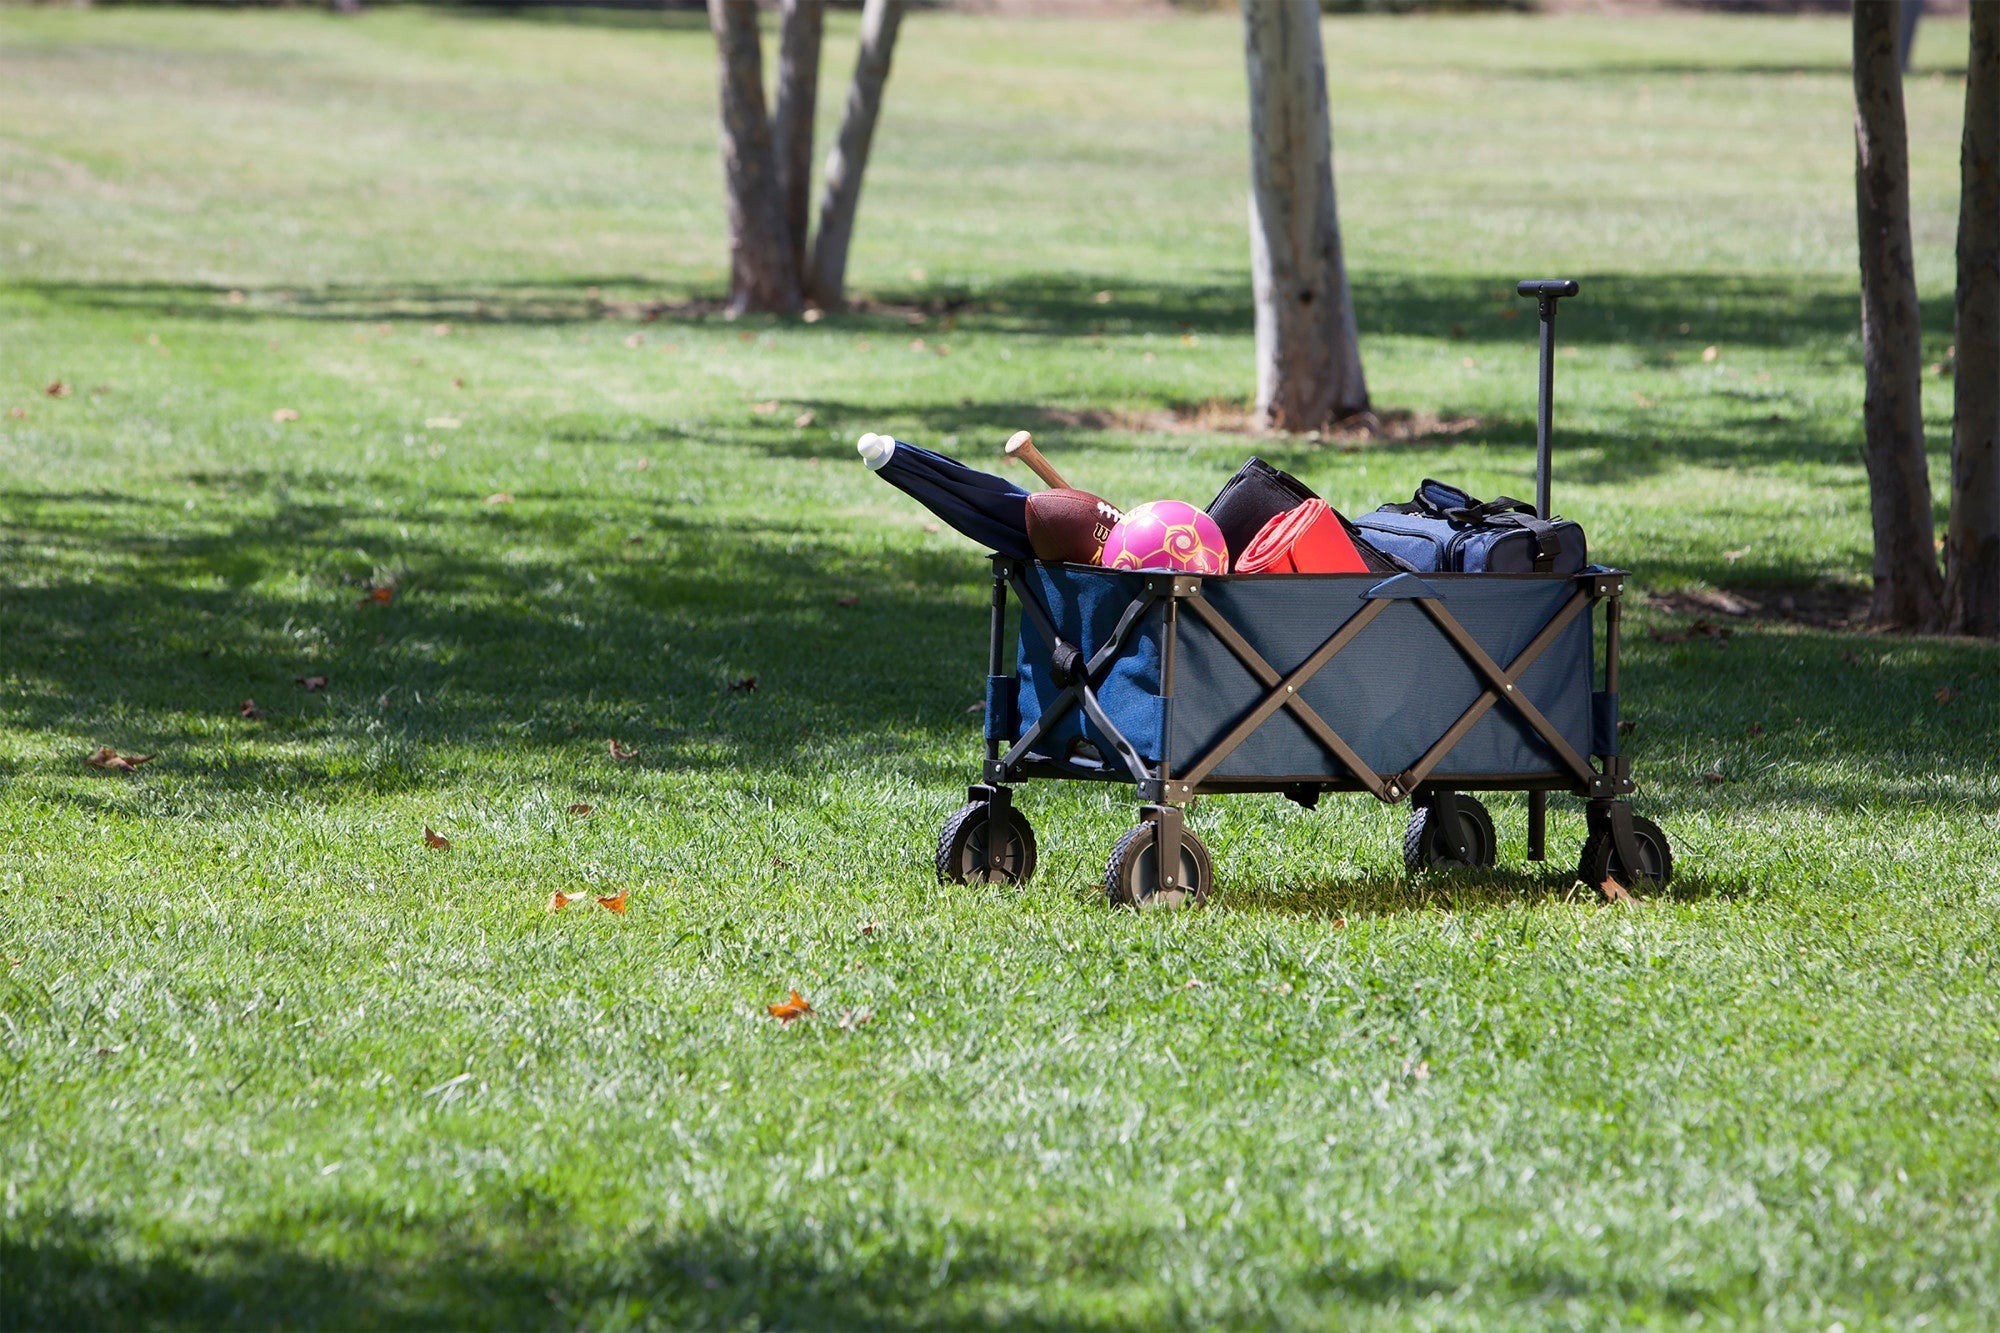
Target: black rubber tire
x=961 y=847
x=1132 y=877
x=1424 y=845
x=1600 y=861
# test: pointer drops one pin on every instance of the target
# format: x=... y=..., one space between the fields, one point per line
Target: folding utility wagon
x=1417 y=687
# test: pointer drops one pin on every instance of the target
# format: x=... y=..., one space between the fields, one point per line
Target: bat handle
x=1022 y=446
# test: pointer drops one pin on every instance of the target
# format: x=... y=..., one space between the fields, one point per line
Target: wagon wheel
x=1600 y=860
x=1132 y=878
x=962 y=856
x=1427 y=845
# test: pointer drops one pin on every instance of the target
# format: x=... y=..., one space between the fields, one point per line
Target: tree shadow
x=537 y=626
x=1644 y=311
x=66 y=1270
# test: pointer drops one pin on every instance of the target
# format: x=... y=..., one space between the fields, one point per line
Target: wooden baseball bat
x=1022 y=446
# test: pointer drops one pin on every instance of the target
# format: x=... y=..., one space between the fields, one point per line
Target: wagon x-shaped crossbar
x=1078 y=679
x=1282 y=691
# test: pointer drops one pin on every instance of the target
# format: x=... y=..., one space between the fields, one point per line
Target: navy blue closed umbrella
x=991 y=510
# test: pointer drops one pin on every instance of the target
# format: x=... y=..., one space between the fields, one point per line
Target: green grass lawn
x=268 y=1060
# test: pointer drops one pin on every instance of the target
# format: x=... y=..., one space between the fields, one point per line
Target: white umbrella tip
x=875 y=449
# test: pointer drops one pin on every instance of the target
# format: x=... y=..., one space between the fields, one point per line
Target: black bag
x=1446 y=530
x=1259 y=492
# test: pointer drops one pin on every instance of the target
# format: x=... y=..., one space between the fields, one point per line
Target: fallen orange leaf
x=559 y=900
x=580 y=809
x=432 y=838
x=57 y=390
x=379 y=597
x=620 y=753
x=106 y=757
x=248 y=708
x=787 y=1010
x=615 y=903
x=1614 y=892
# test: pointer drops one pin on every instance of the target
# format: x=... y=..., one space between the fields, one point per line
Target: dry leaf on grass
x=1756 y=729
x=813 y=315
x=616 y=902
x=248 y=708
x=106 y=757
x=635 y=340
x=622 y=754
x=1614 y=892
x=500 y=498
x=58 y=389
x=559 y=900
x=436 y=840
x=787 y=1010
x=1710 y=352
x=856 y=1018
x=803 y=419
x=868 y=927
x=1626 y=728
x=765 y=409
x=312 y=684
x=743 y=684
x=18 y=413
x=580 y=809
x=379 y=596
x=1945 y=694
x=285 y=414
x=848 y=599
x=1713 y=778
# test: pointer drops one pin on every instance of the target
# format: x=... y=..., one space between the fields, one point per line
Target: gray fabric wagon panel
x=1393 y=691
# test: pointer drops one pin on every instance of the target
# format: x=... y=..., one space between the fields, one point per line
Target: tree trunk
x=762 y=272
x=849 y=158
x=1972 y=538
x=792 y=129
x=1909 y=591
x=1908 y=12
x=1308 y=353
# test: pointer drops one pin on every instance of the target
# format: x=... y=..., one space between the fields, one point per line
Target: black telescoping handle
x=1546 y=291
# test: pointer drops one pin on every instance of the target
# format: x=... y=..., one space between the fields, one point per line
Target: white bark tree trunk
x=827 y=282
x=1308 y=351
x=763 y=274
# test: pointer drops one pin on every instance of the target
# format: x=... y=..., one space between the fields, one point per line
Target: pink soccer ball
x=1166 y=534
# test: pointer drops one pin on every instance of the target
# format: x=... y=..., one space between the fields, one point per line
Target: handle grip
x=1022 y=446
x=1546 y=288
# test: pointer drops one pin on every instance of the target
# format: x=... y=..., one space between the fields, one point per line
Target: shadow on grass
x=68 y=1273
x=64 y=1271
x=536 y=627
x=1645 y=310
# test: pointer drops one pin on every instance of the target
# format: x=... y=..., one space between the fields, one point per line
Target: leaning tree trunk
x=762 y=272
x=792 y=124
x=1909 y=591
x=849 y=158
x=1972 y=538
x=1308 y=353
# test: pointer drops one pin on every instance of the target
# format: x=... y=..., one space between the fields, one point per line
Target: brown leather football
x=1069 y=525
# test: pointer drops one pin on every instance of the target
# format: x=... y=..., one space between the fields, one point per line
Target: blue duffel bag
x=1445 y=530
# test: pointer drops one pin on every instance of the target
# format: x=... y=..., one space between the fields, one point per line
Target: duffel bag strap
x=1547 y=544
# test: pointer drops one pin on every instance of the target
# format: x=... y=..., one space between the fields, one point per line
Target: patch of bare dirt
x=1820 y=605
x=1224 y=416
